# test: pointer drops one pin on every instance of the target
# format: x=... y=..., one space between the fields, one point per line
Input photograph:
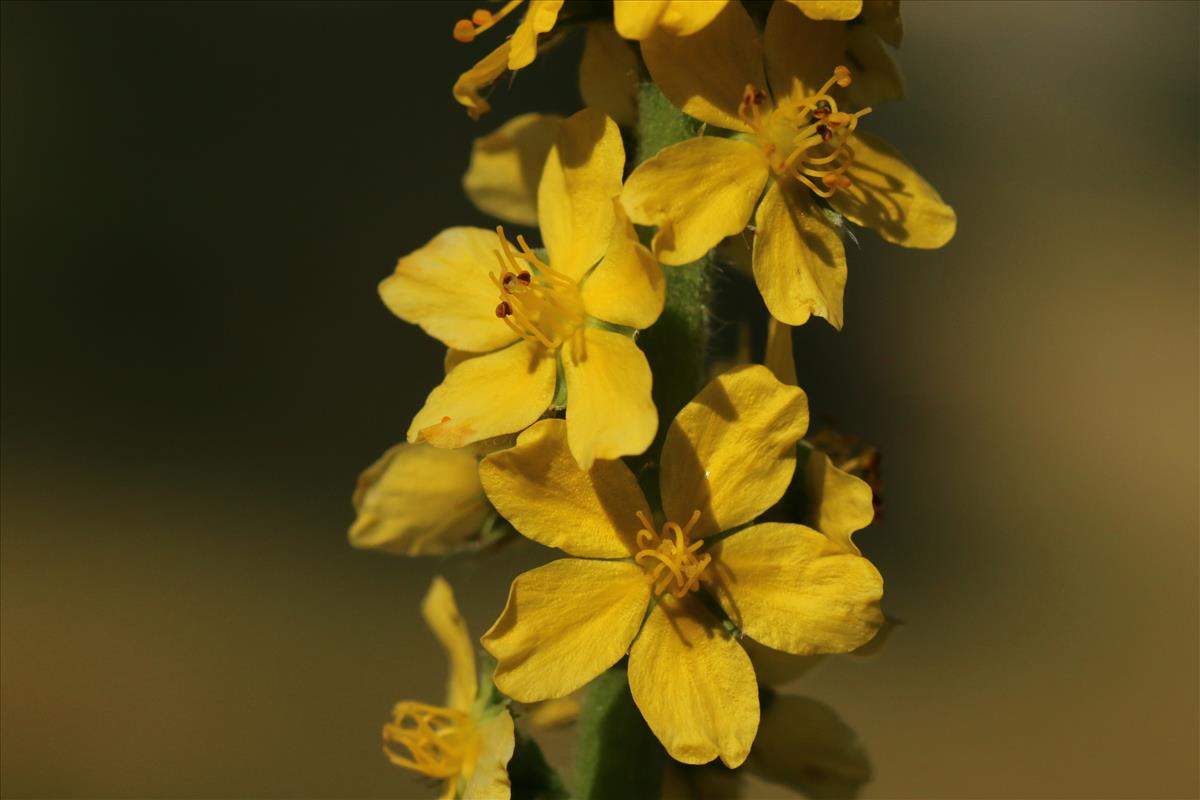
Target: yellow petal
x=608 y=74
x=799 y=260
x=486 y=396
x=444 y=288
x=839 y=503
x=697 y=192
x=792 y=589
x=805 y=745
x=888 y=196
x=442 y=617
x=488 y=779
x=841 y=10
x=538 y=487
x=564 y=624
x=779 y=358
x=506 y=166
x=883 y=17
x=628 y=287
x=470 y=85
x=694 y=684
x=637 y=19
x=418 y=500
x=705 y=74
x=731 y=452
x=539 y=18
x=582 y=176
x=609 y=410
x=802 y=53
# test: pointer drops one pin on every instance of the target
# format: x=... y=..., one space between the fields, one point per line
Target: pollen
x=808 y=141
x=670 y=559
x=538 y=303
x=431 y=740
x=465 y=30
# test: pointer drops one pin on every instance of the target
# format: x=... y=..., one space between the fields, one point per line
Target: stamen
x=544 y=307
x=675 y=554
x=465 y=30
x=432 y=740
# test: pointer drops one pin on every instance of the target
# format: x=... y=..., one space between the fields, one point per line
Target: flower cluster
x=694 y=550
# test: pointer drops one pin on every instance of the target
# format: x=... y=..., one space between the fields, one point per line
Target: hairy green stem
x=617 y=756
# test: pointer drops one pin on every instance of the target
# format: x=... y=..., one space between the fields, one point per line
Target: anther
x=464 y=31
x=838 y=181
x=503 y=310
x=481 y=16
x=842 y=76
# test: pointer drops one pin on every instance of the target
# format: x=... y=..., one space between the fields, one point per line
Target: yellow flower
x=634 y=19
x=418 y=500
x=728 y=456
x=704 y=189
x=468 y=742
x=523 y=322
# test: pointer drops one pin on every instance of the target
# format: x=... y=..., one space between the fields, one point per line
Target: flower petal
x=705 y=74
x=731 y=452
x=418 y=500
x=486 y=396
x=506 y=166
x=841 y=10
x=564 y=624
x=697 y=192
x=799 y=260
x=637 y=19
x=888 y=196
x=489 y=778
x=791 y=588
x=470 y=85
x=628 y=287
x=694 y=684
x=609 y=409
x=883 y=17
x=801 y=54
x=442 y=617
x=779 y=358
x=838 y=503
x=444 y=288
x=538 y=487
x=608 y=74
x=803 y=744
x=539 y=18
x=581 y=178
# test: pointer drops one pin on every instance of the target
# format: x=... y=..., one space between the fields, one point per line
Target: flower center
x=670 y=558
x=808 y=142
x=432 y=740
x=538 y=303
x=465 y=30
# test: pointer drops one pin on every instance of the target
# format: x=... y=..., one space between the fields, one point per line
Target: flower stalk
x=616 y=754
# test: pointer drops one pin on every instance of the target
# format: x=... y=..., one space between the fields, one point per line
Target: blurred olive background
x=198 y=202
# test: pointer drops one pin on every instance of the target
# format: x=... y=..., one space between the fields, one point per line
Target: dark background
x=198 y=202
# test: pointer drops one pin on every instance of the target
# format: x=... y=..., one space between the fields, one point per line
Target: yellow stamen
x=679 y=568
x=465 y=30
x=810 y=141
x=432 y=740
x=537 y=302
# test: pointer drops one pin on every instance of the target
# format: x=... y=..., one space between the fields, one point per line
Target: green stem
x=617 y=756
x=677 y=345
